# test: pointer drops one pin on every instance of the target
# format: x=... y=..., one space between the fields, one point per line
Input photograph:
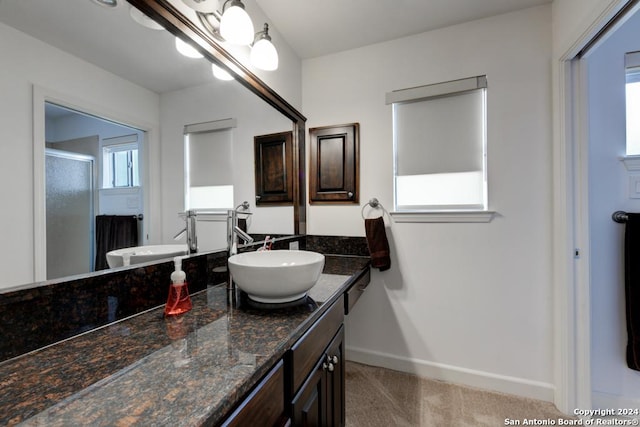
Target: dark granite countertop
x=149 y=370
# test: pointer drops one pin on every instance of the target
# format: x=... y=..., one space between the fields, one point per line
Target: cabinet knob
x=350 y=194
x=328 y=367
x=332 y=359
x=258 y=197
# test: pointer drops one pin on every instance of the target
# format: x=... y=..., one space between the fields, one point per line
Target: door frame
x=150 y=169
x=571 y=271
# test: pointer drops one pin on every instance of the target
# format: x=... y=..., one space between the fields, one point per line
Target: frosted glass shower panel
x=69 y=204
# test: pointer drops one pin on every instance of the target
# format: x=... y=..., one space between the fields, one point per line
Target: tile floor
x=382 y=397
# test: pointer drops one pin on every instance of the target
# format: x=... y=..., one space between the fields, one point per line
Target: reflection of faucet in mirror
x=190 y=229
x=233 y=231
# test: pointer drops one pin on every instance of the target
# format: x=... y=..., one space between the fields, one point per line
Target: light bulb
x=219 y=73
x=186 y=49
x=236 y=26
x=264 y=55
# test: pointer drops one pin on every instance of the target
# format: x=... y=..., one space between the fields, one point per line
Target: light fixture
x=144 y=20
x=107 y=3
x=263 y=53
x=187 y=50
x=235 y=25
x=220 y=74
x=223 y=27
x=204 y=6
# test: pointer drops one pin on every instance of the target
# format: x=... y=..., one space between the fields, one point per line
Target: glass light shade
x=107 y=3
x=144 y=20
x=204 y=6
x=236 y=26
x=219 y=73
x=186 y=49
x=264 y=55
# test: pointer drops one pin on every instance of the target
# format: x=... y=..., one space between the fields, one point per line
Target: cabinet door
x=264 y=405
x=334 y=164
x=334 y=370
x=274 y=168
x=309 y=406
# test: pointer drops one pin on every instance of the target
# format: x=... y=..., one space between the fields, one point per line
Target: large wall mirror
x=89 y=80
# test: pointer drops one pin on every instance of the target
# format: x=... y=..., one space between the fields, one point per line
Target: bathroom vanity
x=228 y=361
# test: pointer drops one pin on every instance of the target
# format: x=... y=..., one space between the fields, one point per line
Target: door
x=69 y=213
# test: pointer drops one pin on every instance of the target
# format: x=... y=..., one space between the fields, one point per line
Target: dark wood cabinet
x=317 y=367
x=309 y=405
x=320 y=400
x=334 y=374
x=307 y=387
x=274 y=169
x=265 y=405
x=334 y=164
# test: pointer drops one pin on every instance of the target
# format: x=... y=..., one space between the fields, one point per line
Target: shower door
x=69 y=213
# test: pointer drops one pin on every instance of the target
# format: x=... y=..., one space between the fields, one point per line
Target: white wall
x=469 y=303
x=613 y=383
x=27 y=62
x=217 y=101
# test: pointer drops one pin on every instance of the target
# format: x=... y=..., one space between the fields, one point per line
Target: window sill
x=632 y=163
x=443 y=216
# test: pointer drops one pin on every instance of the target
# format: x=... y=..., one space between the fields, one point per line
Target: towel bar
x=375 y=204
x=620 y=217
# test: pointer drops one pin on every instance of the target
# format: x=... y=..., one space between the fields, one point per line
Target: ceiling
x=110 y=39
x=319 y=27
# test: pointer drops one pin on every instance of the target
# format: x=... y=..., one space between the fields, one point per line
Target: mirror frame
x=180 y=26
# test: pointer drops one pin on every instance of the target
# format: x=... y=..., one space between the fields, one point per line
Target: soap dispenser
x=179 y=300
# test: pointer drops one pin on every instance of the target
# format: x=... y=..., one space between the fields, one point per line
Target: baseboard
x=601 y=400
x=454 y=374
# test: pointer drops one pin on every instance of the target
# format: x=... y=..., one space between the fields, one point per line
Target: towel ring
x=374 y=204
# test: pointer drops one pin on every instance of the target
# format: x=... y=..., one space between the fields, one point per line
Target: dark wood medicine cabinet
x=273 y=169
x=334 y=164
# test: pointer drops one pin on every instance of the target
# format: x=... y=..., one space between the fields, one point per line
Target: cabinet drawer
x=355 y=291
x=306 y=352
x=265 y=404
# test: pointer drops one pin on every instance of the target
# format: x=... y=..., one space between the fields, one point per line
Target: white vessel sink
x=276 y=276
x=140 y=254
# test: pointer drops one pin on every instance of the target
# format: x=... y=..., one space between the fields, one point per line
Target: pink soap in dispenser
x=178 y=301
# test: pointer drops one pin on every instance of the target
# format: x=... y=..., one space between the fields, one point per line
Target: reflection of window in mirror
x=632 y=66
x=208 y=160
x=120 y=162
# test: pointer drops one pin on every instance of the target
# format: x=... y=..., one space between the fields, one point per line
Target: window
x=632 y=89
x=439 y=136
x=208 y=163
x=120 y=162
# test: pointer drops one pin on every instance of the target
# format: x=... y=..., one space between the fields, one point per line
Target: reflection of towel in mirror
x=114 y=232
x=378 y=243
x=632 y=289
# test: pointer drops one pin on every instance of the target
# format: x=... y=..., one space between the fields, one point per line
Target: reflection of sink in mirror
x=276 y=276
x=140 y=254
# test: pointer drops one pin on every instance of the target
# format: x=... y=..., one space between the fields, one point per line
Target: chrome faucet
x=190 y=229
x=233 y=231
